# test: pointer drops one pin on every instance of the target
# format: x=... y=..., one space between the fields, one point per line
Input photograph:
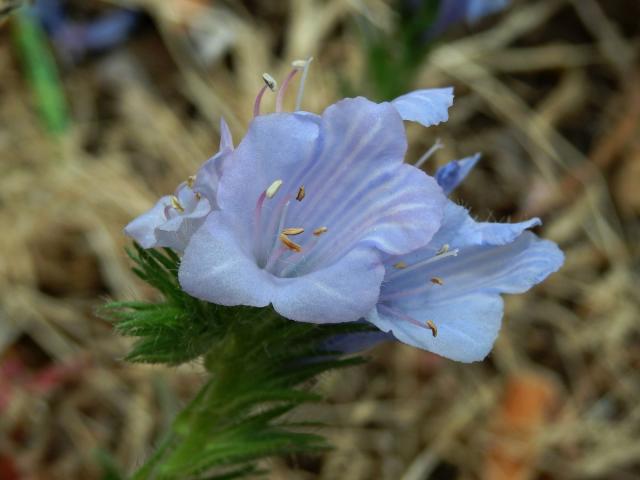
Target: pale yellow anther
x=270 y=82
x=437 y=281
x=400 y=265
x=191 y=180
x=175 y=203
x=443 y=249
x=293 y=231
x=432 y=326
x=300 y=194
x=290 y=244
x=273 y=189
x=319 y=231
x=299 y=63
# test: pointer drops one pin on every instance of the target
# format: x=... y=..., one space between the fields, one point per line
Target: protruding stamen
x=429 y=153
x=443 y=249
x=290 y=244
x=198 y=196
x=401 y=315
x=175 y=203
x=293 y=231
x=191 y=179
x=400 y=265
x=319 y=231
x=256 y=104
x=303 y=80
x=273 y=188
x=433 y=327
x=300 y=194
x=443 y=253
x=437 y=281
x=270 y=82
x=283 y=89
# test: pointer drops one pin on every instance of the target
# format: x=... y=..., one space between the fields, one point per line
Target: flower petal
x=467 y=330
x=217 y=267
x=275 y=146
x=209 y=174
x=427 y=107
x=350 y=162
x=459 y=230
x=177 y=232
x=360 y=189
x=461 y=294
x=342 y=292
x=142 y=228
x=449 y=176
x=226 y=140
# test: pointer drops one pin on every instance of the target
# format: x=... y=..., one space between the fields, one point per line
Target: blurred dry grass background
x=549 y=91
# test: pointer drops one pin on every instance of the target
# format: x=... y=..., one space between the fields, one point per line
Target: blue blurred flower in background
x=451 y=12
x=75 y=38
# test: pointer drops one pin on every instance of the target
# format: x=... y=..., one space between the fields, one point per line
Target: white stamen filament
x=257 y=216
x=405 y=317
x=303 y=80
x=273 y=229
x=415 y=266
x=427 y=155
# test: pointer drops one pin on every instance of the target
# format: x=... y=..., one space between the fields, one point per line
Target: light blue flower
x=445 y=297
x=308 y=206
x=173 y=220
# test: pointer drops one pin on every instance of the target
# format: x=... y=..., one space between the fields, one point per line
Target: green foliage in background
x=260 y=365
x=392 y=58
x=41 y=70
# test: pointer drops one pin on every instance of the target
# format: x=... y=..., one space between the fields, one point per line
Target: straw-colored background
x=549 y=91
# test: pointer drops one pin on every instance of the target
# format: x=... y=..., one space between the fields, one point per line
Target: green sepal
x=260 y=366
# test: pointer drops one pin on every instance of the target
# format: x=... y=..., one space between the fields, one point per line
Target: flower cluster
x=320 y=217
